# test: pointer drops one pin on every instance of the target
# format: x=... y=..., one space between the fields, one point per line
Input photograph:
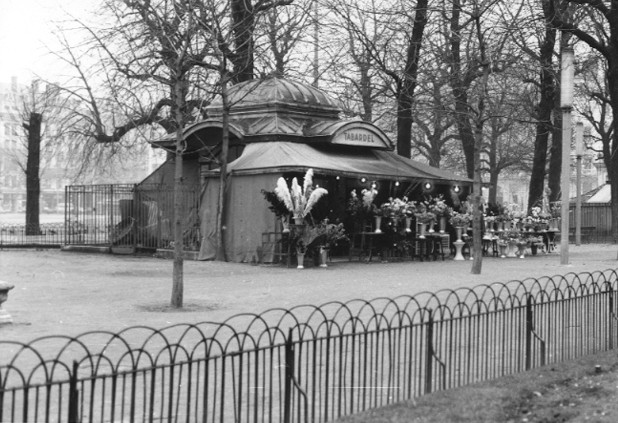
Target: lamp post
x=579 y=151
x=566 y=104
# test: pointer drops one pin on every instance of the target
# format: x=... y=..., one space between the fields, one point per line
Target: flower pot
x=378 y=223
x=408 y=224
x=298 y=220
x=442 y=224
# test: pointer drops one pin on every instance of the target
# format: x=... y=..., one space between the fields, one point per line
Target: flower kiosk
x=279 y=130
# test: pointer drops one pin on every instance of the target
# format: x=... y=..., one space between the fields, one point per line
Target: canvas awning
x=278 y=157
x=603 y=195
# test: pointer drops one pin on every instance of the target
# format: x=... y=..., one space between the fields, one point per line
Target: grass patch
x=572 y=391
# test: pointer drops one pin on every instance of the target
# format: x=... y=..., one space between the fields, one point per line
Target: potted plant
x=438 y=207
x=408 y=211
x=459 y=221
x=424 y=218
x=299 y=201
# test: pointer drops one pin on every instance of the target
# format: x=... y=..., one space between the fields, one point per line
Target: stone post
x=5 y=287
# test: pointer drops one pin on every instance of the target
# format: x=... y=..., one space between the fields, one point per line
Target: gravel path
x=69 y=293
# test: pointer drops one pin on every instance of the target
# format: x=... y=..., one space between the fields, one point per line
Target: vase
x=298 y=220
x=521 y=246
x=378 y=223
x=500 y=226
x=300 y=259
x=421 y=230
x=431 y=225
x=442 y=224
x=323 y=256
x=459 y=232
x=285 y=223
x=503 y=248
x=408 y=224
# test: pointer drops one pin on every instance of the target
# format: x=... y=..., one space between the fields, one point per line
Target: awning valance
x=271 y=157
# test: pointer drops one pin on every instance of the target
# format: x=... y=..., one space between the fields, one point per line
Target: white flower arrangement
x=299 y=201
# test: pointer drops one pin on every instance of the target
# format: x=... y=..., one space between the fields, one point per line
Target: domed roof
x=262 y=95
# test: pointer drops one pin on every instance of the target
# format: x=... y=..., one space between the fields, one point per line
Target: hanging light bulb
x=396 y=183
x=363 y=180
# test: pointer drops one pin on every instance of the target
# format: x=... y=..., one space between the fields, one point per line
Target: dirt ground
x=69 y=293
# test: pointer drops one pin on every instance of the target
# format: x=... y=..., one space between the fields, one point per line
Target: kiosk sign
x=358 y=136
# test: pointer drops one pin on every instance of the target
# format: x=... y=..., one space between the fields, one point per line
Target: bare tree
x=596 y=25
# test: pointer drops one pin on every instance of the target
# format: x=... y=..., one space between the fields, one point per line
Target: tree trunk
x=178 y=273
x=33 y=180
x=243 y=21
x=405 y=97
x=225 y=145
x=459 y=88
x=543 y=125
x=555 y=157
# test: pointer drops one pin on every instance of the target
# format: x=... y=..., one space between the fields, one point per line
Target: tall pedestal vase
x=378 y=223
x=300 y=259
x=323 y=256
x=442 y=224
x=459 y=243
x=422 y=230
x=408 y=224
x=285 y=224
x=431 y=225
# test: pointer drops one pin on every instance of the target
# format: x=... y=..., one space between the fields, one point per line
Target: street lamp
x=566 y=104
x=579 y=151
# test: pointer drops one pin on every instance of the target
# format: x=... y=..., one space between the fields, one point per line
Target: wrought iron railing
x=42 y=235
x=309 y=363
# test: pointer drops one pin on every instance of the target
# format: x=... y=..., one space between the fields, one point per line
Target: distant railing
x=49 y=235
x=309 y=363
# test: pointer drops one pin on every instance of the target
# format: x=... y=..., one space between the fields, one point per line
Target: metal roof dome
x=276 y=94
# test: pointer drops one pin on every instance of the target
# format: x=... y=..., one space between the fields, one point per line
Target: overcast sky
x=25 y=30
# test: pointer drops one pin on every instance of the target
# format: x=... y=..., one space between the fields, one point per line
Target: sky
x=26 y=36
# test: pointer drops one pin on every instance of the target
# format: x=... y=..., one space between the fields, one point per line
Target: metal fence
x=42 y=235
x=138 y=216
x=308 y=363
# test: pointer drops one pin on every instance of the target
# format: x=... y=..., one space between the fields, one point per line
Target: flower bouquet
x=299 y=201
x=461 y=220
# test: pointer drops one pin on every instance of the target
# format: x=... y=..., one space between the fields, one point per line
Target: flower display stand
x=459 y=244
x=408 y=224
x=422 y=230
x=323 y=256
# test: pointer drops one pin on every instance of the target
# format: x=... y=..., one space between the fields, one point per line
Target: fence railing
x=309 y=363
x=44 y=234
x=139 y=216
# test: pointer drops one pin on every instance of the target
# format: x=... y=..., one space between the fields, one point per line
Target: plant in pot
x=299 y=200
x=438 y=207
x=409 y=210
x=460 y=221
x=424 y=218
x=328 y=236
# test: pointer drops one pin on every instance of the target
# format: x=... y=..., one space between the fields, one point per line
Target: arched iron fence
x=309 y=363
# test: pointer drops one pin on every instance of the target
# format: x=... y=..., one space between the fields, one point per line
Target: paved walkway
x=69 y=293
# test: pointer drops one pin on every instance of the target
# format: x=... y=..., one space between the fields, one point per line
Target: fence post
x=611 y=316
x=429 y=353
x=529 y=329
x=73 y=396
x=289 y=368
